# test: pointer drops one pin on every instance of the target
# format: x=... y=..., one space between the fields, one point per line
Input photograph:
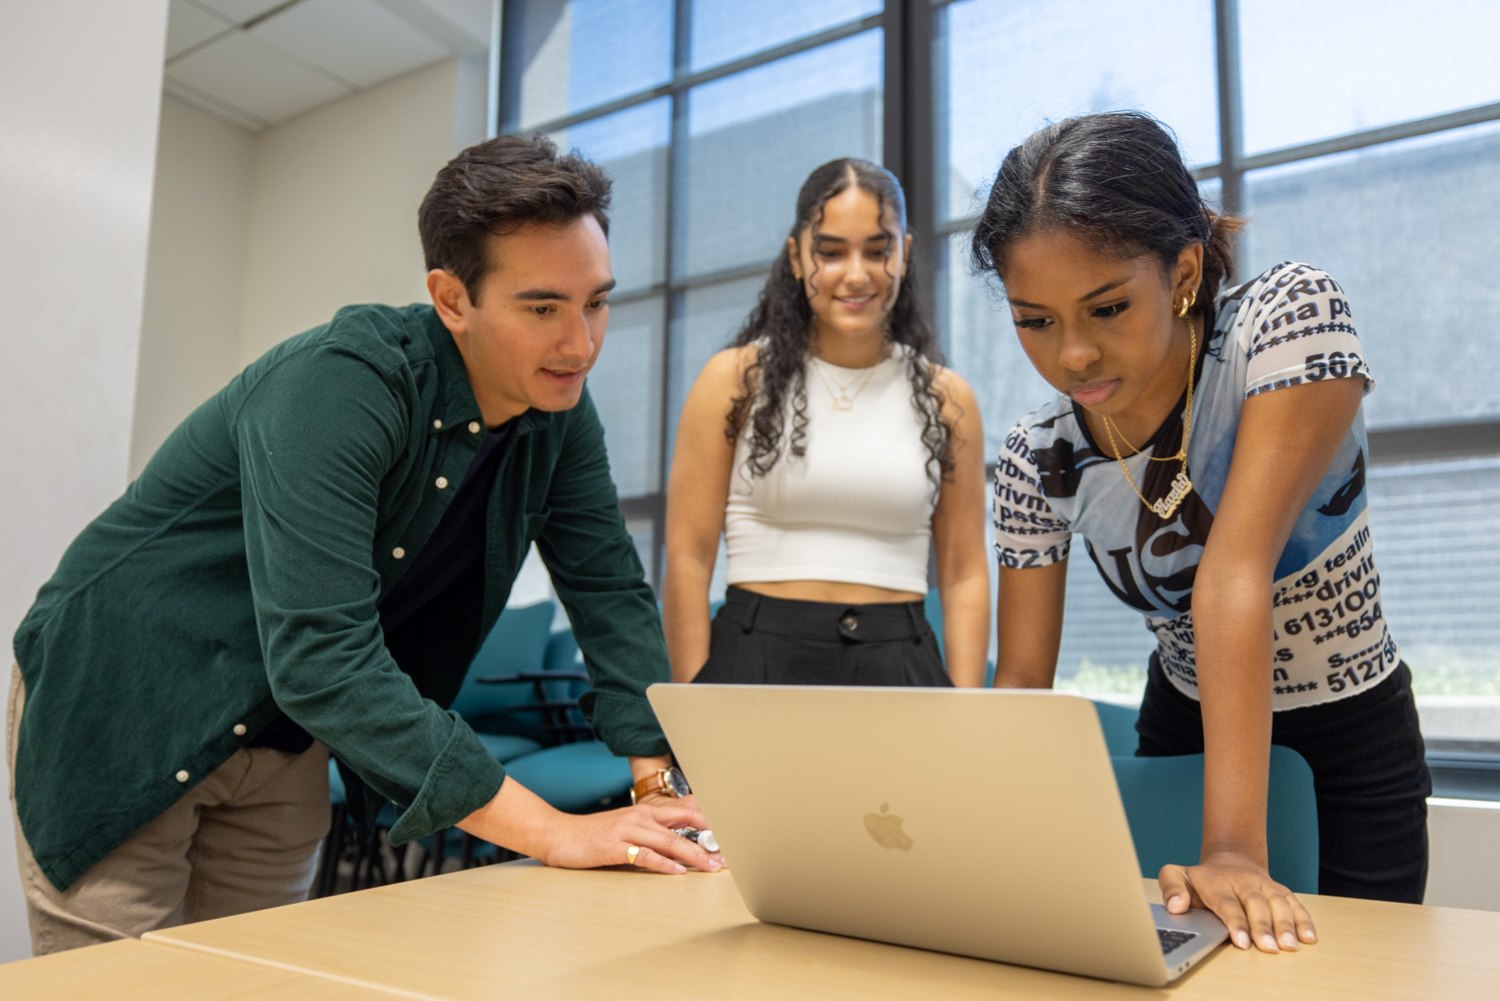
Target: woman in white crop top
x=831 y=450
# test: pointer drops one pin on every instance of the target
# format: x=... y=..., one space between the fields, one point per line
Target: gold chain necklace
x=1166 y=506
x=840 y=396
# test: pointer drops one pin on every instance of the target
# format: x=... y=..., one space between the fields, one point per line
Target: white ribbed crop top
x=857 y=508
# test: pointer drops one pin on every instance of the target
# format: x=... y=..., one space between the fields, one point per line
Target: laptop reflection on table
x=980 y=822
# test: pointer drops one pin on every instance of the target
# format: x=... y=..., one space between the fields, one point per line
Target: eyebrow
x=550 y=295
x=1106 y=287
x=873 y=238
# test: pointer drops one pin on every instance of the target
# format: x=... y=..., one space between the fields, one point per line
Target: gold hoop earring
x=1186 y=303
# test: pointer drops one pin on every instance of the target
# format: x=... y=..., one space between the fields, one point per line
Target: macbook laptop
x=980 y=822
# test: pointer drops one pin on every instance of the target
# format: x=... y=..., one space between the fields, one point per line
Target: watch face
x=676 y=783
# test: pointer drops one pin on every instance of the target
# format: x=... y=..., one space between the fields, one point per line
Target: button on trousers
x=761 y=640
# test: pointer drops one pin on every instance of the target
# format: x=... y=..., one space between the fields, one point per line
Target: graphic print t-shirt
x=1290 y=325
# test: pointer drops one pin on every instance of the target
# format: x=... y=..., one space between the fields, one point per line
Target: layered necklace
x=841 y=396
x=1164 y=507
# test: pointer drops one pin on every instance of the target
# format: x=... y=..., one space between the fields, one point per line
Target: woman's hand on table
x=1256 y=909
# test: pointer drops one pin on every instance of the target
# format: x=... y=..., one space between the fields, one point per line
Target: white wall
x=333 y=211
x=1465 y=867
x=76 y=162
x=194 y=271
x=257 y=237
x=252 y=239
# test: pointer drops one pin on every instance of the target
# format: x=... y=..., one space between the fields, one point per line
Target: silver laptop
x=973 y=821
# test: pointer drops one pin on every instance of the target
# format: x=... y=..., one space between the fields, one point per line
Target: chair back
x=1118 y=723
x=1163 y=800
x=932 y=609
x=517 y=643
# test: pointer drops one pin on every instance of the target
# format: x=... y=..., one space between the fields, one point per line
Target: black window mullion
x=682 y=33
x=908 y=139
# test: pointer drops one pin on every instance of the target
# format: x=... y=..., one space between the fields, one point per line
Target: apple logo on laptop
x=885 y=828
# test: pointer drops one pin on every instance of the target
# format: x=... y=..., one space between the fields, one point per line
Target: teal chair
x=579 y=777
x=505 y=716
x=1118 y=723
x=932 y=608
x=576 y=773
x=1163 y=800
x=507 y=719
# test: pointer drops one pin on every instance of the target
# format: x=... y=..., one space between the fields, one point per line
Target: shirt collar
x=457 y=407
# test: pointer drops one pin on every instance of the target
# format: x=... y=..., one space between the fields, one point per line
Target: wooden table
x=131 y=970
x=521 y=930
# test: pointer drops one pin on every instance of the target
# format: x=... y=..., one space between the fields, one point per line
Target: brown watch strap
x=656 y=782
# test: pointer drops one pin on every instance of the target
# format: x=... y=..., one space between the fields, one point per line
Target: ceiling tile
x=254 y=78
x=463 y=25
x=217 y=109
x=240 y=11
x=355 y=40
x=188 y=26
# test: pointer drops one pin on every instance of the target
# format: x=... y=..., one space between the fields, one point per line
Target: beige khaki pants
x=244 y=838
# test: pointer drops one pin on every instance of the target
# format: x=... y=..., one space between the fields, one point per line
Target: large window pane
x=725 y=30
x=562 y=56
x=625 y=385
x=709 y=317
x=1436 y=528
x=753 y=138
x=1105 y=645
x=642 y=530
x=1315 y=70
x=1012 y=66
x=1407 y=229
x=632 y=146
x=983 y=348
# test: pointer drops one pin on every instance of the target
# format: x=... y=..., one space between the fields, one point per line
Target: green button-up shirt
x=239 y=576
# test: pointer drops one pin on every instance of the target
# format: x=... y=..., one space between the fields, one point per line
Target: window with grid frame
x=1359 y=135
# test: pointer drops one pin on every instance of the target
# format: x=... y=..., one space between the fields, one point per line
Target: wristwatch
x=666 y=781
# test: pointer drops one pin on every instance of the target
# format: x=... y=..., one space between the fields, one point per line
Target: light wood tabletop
x=131 y=970
x=522 y=930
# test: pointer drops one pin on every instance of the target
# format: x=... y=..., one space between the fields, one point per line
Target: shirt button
x=182 y=776
x=437 y=425
x=240 y=730
x=473 y=427
x=399 y=553
x=442 y=482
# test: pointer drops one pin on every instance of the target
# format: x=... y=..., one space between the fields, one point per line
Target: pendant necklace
x=841 y=397
x=1164 y=507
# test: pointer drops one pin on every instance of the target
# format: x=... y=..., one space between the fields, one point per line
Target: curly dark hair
x=1119 y=179
x=494 y=188
x=781 y=326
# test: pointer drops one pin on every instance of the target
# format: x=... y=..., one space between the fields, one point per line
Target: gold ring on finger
x=632 y=853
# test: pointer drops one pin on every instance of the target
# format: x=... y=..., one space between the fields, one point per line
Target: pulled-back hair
x=1117 y=179
x=494 y=188
x=781 y=326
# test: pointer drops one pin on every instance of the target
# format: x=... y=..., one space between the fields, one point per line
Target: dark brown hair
x=1117 y=178
x=494 y=188
x=781 y=323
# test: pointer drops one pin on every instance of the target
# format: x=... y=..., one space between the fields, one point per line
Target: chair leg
x=332 y=852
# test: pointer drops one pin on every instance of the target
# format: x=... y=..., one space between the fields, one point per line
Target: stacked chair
x=521 y=698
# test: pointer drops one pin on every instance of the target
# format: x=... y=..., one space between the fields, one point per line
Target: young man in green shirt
x=309 y=563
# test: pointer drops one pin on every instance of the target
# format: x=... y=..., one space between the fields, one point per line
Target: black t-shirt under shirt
x=444 y=589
